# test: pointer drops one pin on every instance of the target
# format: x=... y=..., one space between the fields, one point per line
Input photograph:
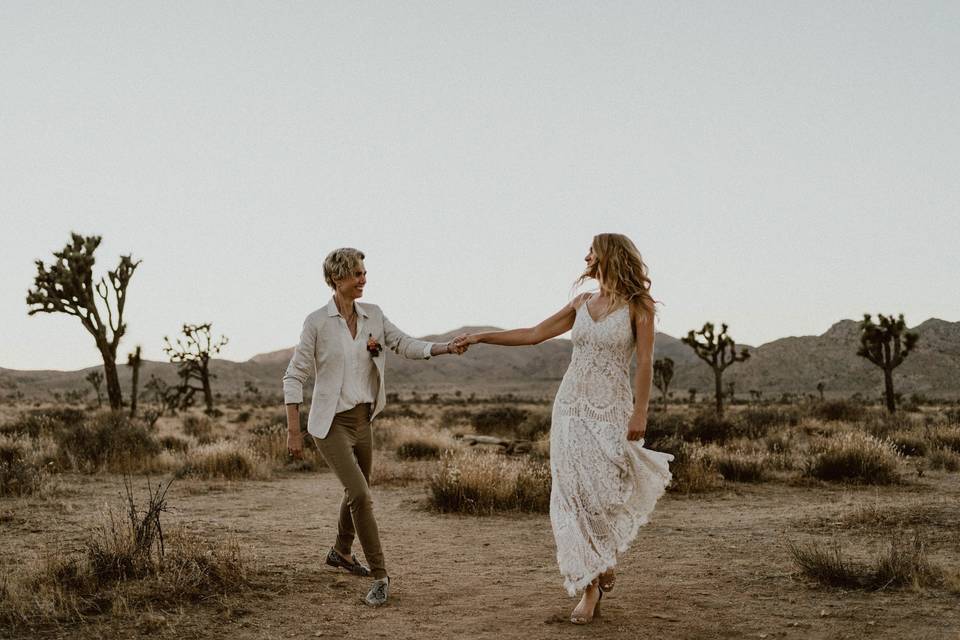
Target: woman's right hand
x=295 y=444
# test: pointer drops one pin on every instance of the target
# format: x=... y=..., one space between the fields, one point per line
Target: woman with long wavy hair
x=605 y=484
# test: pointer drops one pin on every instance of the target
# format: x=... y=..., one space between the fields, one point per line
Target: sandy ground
x=713 y=566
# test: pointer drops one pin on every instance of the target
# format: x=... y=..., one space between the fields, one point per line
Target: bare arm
x=641 y=392
x=555 y=325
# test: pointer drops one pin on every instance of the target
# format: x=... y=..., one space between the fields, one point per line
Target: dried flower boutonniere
x=373 y=346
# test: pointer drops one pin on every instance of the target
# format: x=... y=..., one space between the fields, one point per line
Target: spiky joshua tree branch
x=718 y=350
x=886 y=345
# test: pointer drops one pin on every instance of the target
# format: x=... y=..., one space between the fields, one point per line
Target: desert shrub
x=945 y=437
x=174 y=443
x=402 y=411
x=737 y=465
x=125 y=564
x=199 y=427
x=111 y=441
x=692 y=471
x=780 y=442
x=37 y=422
x=944 y=458
x=839 y=410
x=662 y=425
x=498 y=420
x=226 y=460
x=903 y=563
x=755 y=422
x=855 y=457
x=909 y=443
x=453 y=417
x=882 y=425
x=480 y=483
x=243 y=417
x=393 y=473
x=534 y=425
x=418 y=450
x=707 y=426
x=19 y=474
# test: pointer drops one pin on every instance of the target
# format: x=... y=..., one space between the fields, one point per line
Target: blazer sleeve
x=402 y=344
x=301 y=365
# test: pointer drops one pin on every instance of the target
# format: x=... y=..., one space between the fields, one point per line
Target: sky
x=780 y=165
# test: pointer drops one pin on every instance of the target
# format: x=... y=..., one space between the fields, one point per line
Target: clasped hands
x=460 y=344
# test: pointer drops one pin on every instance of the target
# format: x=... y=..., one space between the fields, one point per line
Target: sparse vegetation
x=856 y=457
x=902 y=564
x=223 y=460
x=482 y=483
x=719 y=351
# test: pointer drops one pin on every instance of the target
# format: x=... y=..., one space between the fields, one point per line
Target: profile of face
x=591 y=259
x=351 y=286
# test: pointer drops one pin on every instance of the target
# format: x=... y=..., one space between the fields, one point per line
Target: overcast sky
x=781 y=165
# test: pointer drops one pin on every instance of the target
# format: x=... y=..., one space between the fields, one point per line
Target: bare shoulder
x=579 y=300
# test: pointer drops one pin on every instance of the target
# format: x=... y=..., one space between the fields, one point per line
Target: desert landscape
x=814 y=520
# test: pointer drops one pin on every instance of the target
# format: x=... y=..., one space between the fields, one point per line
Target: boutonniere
x=373 y=346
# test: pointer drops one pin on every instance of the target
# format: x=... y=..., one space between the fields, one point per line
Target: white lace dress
x=604 y=486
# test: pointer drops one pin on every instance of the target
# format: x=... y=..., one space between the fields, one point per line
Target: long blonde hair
x=622 y=273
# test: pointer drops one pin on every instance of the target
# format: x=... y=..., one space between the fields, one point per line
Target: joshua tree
x=731 y=389
x=693 y=395
x=886 y=345
x=95 y=378
x=756 y=394
x=192 y=356
x=820 y=388
x=662 y=376
x=717 y=350
x=133 y=361
x=67 y=286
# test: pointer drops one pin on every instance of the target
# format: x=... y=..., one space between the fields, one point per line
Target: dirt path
x=706 y=567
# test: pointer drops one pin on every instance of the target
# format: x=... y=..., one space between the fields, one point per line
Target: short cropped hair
x=339 y=263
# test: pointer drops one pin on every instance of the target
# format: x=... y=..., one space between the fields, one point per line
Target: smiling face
x=351 y=286
x=591 y=260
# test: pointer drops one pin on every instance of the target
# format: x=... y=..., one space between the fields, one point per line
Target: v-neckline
x=586 y=305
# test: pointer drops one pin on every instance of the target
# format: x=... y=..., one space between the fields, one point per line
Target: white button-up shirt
x=360 y=379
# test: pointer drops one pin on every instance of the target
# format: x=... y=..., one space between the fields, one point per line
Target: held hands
x=637 y=427
x=459 y=345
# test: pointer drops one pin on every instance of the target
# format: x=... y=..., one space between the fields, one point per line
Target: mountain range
x=788 y=365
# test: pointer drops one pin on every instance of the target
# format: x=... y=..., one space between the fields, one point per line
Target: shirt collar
x=332 y=310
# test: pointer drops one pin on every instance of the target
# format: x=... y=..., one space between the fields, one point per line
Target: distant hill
x=791 y=365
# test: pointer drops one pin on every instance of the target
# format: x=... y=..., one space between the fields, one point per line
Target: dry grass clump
x=910 y=443
x=482 y=483
x=693 y=472
x=200 y=427
x=903 y=564
x=855 y=457
x=110 y=441
x=739 y=464
x=226 y=460
x=127 y=562
x=421 y=443
x=944 y=458
x=945 y=437
x=889 y=516
x=20 y=475
x=840 y=410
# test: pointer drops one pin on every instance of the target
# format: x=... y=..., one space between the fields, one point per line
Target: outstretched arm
x=558 y=323
x=641 y=393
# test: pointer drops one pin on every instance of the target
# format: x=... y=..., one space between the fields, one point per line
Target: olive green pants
x=348 y=450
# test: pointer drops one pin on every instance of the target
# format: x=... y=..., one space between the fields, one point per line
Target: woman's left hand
x=637 y=427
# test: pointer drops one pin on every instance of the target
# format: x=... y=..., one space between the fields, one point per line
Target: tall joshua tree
x=67 y=286
x=192 y=354
x=717 y=350
x=662 y=376
x=886 y=345
x=820 y=387
x=133 y=361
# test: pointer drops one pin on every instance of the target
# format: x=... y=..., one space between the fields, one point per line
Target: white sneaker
x=378 y=592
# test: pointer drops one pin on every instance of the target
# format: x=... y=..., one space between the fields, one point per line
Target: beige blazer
x=320 y=353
